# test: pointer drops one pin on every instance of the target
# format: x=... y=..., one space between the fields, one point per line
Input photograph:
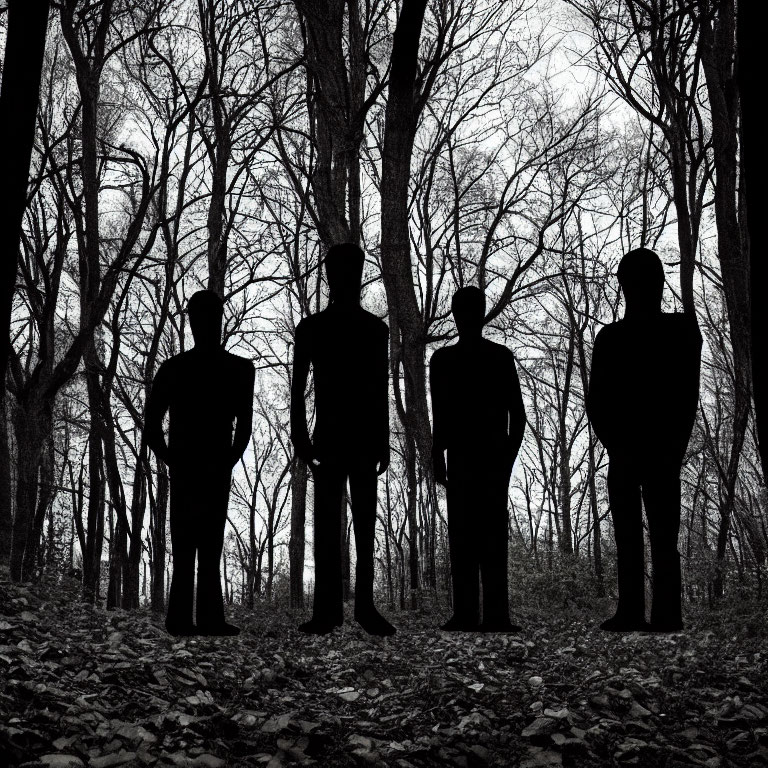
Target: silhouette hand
x=439 y=470
x=307 y=454
x=383 y=463
x=440 y=473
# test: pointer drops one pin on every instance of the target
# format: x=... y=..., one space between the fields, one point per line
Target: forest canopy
x=522 y=147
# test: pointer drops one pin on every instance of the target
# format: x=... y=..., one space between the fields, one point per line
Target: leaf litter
x=81 y=687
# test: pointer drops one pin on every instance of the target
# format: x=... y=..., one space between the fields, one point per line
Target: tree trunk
x=45 y=496
x=160 y=513
x=413 y=534
x=30 y=426
x=407 y=339
x=19 y=92
x=130 y=597
x=6 y=507
x=752 y=21
x=564 y=485
x=94 y=532
x=296 y=545
x=346 y=569
x=718 y=38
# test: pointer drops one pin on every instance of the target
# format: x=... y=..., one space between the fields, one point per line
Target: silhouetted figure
x=479 y=421
x=347 y=348
x=643 y=394
x=204 y=390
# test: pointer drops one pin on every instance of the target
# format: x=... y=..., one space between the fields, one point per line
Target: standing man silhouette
x=204 y=390
x=347 y=348
x=479 y=421
x=643 y=394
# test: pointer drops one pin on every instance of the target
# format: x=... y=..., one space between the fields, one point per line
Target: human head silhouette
x=206 y=310
x=641 y=277
x=468 y=307
x=344 y=270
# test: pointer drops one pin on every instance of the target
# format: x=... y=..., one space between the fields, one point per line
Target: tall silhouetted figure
x=347 y=348
x=479 y=421
x=204 y=390
x=643 y=393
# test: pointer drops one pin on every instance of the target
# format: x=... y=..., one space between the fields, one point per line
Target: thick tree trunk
x=270 y=552
x=217 y=233
x=22 y=71
x=346 y=564
x=718 y=33
x=330 y=117
x=94 y=530
x=45 y=496
x=6 y=507
x=31 y=421
x=408 y=343
x=752 y=23
x=564 y=484
x=413 y=523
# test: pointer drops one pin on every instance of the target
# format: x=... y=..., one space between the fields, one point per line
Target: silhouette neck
x=345 y=302
x=207 y=345
x=641 y=312
x=467 y=337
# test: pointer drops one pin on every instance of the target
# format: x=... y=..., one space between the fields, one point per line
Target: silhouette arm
x=382 y=390
x=517 y=418
x=598 y=391
x=301 y=361
x=691 y=357
x=439 y=438
x=157 y=406
x=244 y=415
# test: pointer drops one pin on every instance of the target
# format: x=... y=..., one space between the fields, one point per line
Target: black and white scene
x=384 y=384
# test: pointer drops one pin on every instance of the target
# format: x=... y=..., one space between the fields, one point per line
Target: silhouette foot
x=666 y=626
x=460 y=625
x=624 y=624
x=220 y=630
x=499 y=627
x=374 y=623
x=318 y=627
x=182 y=630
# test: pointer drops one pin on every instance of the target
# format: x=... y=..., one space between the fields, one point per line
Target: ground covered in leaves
x=85 y=687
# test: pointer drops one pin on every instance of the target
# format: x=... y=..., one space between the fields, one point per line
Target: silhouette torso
x=348 y=350
x=644 y=384
x=474 y=388
x=205 y=391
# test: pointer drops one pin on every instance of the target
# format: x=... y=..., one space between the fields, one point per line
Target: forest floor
x=85 y=687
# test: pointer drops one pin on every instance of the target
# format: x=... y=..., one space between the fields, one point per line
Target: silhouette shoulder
x=684 y=322
x=375 y=323
x=502 y=350
x=242 y=362
x=609 y=334
x=172 y=364
x=441 y=356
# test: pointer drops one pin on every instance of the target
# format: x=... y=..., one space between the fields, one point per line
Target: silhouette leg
x=661 y=494
x=180 y=598
x=362 y=488
x=327 y=610
x=210 y=602
x=494 y=538
x=463 y=543
x=627 y=514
